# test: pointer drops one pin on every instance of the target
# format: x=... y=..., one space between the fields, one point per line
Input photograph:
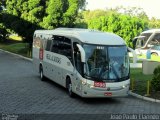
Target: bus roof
x=151 y=31
x=86 y=35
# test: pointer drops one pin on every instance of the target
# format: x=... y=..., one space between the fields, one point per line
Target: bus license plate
x=108 y=94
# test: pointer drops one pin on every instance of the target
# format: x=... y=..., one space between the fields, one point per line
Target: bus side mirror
x=82 y=52
x=134 y=41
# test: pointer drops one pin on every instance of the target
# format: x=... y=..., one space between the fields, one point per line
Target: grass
x=136 y=73
x=18 y=48
x=139 y=81
x=15 y=37
x=154 y=58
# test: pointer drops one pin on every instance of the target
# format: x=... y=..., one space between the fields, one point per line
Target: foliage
x=71 y=13
x=156 y=79
x=84 y=17
x=124 y=25
x=132 y=11
x=154 y=23
x=126 y=22
x=82 y=4
x=18 y=48
x=40 y=14
x=80 y=21
x=88 y=15
x=60 y=13
x=54 y=14
x=49 y=14
x=139 y=81
x=3 y=30
x=26 y=13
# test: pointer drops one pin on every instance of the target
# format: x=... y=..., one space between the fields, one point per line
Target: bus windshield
x=106 y=63
x=142 y=40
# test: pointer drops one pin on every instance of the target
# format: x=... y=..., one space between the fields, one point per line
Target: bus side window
x=57 y=45
x=156 y=38
x=67 y=49
x=142 y=43
x=77 y=58
x=48 y=46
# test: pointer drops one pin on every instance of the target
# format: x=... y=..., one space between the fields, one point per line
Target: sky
x=150 y=7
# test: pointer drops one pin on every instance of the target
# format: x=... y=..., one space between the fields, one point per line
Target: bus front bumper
x=101 y=93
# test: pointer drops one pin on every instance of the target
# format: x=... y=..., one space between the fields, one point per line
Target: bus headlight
x=124 y=86
x=84 y=82
x=91 y=86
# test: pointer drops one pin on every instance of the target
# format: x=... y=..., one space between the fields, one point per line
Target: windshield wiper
x=87 y=76
x=93 y=78
x=123 y=78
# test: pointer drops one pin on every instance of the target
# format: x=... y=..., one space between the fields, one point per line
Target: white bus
x=86 y=62
x=149 y=39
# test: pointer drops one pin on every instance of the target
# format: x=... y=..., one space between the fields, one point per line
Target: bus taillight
x=100 y=84
x=41 y=54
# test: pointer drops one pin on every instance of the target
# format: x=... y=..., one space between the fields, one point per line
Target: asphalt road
x=22 y=92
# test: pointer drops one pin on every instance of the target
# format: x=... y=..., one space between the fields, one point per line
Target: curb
x=29 y=59
x=143 y=97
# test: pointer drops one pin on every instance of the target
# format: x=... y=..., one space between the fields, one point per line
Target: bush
x=156 y=79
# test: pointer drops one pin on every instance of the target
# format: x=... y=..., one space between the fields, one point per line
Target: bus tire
x=69 y=87
x=154 y=54
x=41 y=73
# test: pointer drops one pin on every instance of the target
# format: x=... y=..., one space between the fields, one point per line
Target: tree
x=26 y=13
x=70 y=14
x=80 y=21
x=61 y=13
x=54 y=14
x=123 y=25
x=3 y=31
x=82 y=4
x=132 y=11
x=84 y=17
x=11 y=6
x=36 y=14
x=154 y=23
x=88 y=15
x=32 y=12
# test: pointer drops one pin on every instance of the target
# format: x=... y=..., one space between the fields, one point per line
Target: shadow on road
x=84 y=100
x=97 y=101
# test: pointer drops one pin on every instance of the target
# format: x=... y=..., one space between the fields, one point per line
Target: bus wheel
x=154 y=54
x=69 y=88
x=41 y=73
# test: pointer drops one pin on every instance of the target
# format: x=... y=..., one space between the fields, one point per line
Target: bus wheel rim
x=70 y=88
x=41 y=74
